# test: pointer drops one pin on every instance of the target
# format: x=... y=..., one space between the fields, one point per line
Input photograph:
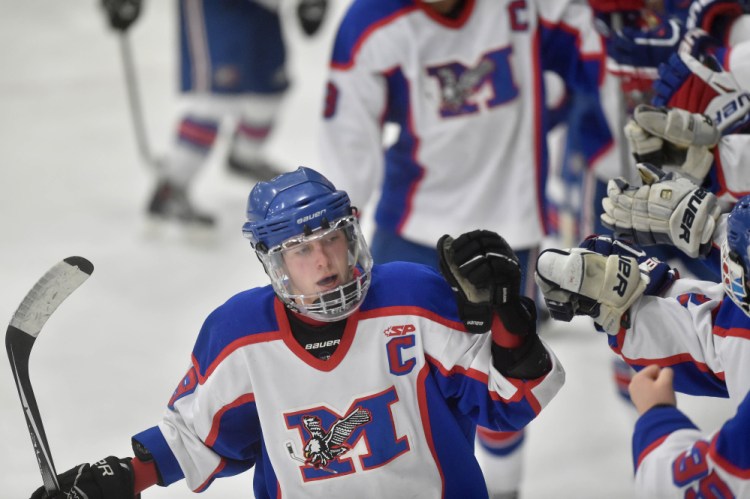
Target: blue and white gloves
x=601 y=279
x=703 y=87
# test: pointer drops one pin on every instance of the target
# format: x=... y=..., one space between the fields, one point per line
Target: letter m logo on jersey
x=326 y=437
x=460 y=85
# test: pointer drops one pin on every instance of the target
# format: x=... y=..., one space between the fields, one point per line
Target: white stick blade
x=49 y=292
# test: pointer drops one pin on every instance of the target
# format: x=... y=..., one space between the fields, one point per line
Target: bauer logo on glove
x=664 y=210
x=580 y=282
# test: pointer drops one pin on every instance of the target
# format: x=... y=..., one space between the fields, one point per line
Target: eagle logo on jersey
x=461 y=85
x=457 y=88
x=323 y=447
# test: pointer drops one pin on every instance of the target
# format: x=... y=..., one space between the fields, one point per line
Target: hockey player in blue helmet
x=341 y=378
x=735 y=255
x=308 y=238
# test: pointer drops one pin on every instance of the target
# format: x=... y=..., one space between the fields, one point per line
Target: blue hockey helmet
x=291 y=215
x=735 y=255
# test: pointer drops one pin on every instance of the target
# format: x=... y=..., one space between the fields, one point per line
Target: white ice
x=72 y=183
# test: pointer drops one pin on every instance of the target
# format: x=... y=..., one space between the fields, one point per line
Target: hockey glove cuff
x=518 y=319
x=528 y=361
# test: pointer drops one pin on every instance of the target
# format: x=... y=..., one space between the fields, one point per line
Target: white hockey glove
x=664 y=210
x=580 y=282
x=673 y=138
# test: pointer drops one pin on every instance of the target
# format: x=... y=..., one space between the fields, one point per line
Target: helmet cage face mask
x=330 y=305
x=733 y=277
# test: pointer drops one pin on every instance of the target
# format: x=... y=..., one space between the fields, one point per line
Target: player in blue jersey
x=232 y=72
x=342 y=378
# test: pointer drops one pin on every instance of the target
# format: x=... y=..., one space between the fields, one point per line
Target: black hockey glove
x=311 y=14
x=110 y=478
x=484 y=273
x=122 y=13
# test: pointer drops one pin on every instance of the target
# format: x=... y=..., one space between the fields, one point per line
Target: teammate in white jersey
x=344 y=379
x=232 y=71
x=700 y=330
x=463 y=82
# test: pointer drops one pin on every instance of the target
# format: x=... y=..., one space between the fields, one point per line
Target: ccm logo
x=688 y=217
x=399 y=330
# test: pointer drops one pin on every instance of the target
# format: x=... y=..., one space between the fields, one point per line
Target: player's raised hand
x=484 y=273
x=673 y=138
x=636 y=48
x=703 y=86
x=580 y=282
x=110 y=478
x=652 y=386
x=122 y=13
x=664 y=210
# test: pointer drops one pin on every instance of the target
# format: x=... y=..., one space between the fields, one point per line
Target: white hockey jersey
x=674 y=459
x=469 y=101
x=704 y=337
x=695 y=329
x=391 y=414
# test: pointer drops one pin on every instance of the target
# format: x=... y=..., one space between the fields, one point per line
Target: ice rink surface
x=72 y=183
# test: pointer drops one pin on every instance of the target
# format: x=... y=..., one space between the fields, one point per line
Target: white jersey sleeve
x=697 y=331
x=673 y=458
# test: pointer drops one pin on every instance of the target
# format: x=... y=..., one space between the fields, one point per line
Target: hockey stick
x=134 y=102
x=43 y=299
x=625 y=161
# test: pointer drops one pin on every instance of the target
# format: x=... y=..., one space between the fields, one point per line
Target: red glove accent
x=144 y=475
x=501 y=336
x=694 y=95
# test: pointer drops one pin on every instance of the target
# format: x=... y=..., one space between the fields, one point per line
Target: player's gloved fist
x=311 y=14
x=633 y=47
x=703 y=87
x=110 y=478
x=661 y=276
x=484 y=273
x=122 y=13
x=673 y=137
x=664 y=210
x=580 y=282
